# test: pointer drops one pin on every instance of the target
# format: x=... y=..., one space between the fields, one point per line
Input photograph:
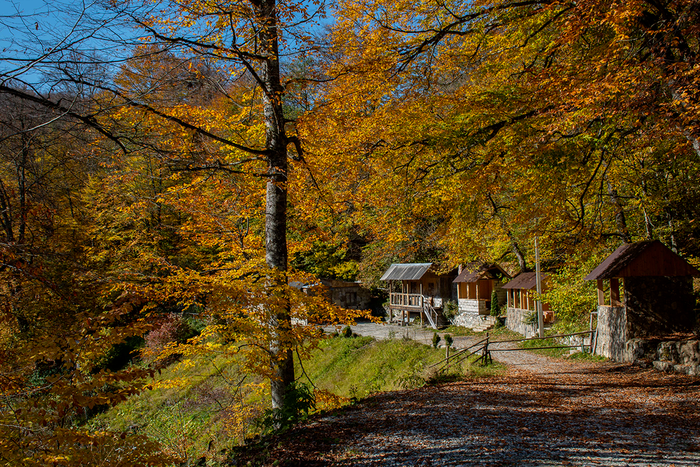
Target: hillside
x=196 y=407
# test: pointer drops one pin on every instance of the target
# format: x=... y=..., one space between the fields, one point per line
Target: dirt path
x=542 y=412
x=519 y=359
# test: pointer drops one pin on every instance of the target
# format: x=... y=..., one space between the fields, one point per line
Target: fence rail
x=406 y=299
x=483 y=345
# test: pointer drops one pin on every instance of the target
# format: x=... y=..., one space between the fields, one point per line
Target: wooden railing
x=483 y=347
x=431 y=314
x=406 y=300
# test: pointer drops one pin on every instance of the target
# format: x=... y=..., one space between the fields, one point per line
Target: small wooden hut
x=475 y=285
x=416 y=289
x=345 y=294
x=644 y=290
x=521 y=303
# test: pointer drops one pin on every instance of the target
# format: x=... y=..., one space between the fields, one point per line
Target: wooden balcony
x=406 y=301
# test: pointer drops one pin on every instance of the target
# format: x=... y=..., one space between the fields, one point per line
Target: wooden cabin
x=521 y=302
x=475 y=285
x=416 y=291
x=644 y=290
x=345 y=294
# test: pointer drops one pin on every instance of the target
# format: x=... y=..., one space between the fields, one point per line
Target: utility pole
x=538 y=278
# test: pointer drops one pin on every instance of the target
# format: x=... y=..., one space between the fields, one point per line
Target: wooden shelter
x=521 y=302
x=345 y=294
x=475 y=285
x=421 y=291
x=644 y=290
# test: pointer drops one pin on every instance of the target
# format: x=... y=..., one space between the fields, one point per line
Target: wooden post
x=614 y=292
x=538 y=277
x=478 y=298
x=601 y=293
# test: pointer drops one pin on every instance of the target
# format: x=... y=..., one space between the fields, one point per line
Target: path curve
x=518 y=359
x=541 y=412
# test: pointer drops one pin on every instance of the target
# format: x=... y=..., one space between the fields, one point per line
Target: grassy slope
x=189 y=405
x=360 y=366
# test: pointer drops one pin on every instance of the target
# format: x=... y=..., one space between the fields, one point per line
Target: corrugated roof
x=472 y=272
x=525 y=281
x=406 y=271
x=655 y=259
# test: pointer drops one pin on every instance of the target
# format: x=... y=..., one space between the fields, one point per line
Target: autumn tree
x=511 y=118
x=187 y=166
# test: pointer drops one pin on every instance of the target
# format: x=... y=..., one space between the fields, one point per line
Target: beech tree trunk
x=276 y=198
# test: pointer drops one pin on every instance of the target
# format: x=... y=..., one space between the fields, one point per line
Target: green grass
x=500 y=332
x=361 y=366
x=586 y=357
x=556 y=353
x=559 y=353
x=457 y=331
x=357 y=367
x=189 y=409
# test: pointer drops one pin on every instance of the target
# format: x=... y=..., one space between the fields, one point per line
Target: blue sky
x=36 y=35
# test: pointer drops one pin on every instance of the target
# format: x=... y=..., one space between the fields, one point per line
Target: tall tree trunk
x=276 y=199
x=620 y=220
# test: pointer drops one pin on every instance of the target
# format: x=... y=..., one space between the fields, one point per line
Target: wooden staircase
x=487 y=322
x=431 y=314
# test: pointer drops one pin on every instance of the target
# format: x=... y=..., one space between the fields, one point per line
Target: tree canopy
x=193 y=158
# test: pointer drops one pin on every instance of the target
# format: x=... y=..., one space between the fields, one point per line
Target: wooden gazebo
x=644 y=290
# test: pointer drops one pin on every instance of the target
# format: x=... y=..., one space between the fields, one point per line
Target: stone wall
x=659 y=305
x=666 y=355
x=612 y=332
x=467 y=319
x=472 y=306
x=515 y=321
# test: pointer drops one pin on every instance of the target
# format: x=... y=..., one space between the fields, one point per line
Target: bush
x=495 y=308
x=449 y=340
x=299 y=400
x=450 y=309
x=570 y=297
x=346 y=332
x=174 y=329
x=436 y=340
x=531 y=318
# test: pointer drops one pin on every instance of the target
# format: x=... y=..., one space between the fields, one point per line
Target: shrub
x=346 y=332
x=299 y=400
x=450 y=309
x=495 y=308
x=531 y=318
x=174 y=329
x=436 y=340
x=570 y=297
x=448 y=340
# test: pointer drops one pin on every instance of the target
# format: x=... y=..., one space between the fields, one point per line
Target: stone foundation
x=612 y=332
x=515 y=321
x=467 y=319
x=682 y=356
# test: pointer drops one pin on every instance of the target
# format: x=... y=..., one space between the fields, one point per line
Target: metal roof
x=406 y=271
x=525 y=281
x=648 y=258
x=472 y=272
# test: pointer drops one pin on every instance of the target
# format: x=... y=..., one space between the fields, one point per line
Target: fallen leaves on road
x=604 y=414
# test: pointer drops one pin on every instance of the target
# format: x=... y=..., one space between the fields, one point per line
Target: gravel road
x=541 y=412
x=518 y=359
